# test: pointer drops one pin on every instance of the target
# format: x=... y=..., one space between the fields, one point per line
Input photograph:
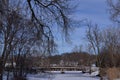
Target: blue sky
x=95 y=11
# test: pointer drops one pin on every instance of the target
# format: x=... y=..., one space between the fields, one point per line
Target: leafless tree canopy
x=114 y=8
x=36 y=17
x=28 y=23
x=105 y=44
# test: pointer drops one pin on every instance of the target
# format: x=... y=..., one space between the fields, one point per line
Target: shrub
x=19 y=78
x=113 y=73
x=110 y=73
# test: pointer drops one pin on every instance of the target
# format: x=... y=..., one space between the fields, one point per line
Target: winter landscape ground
x=69 y=75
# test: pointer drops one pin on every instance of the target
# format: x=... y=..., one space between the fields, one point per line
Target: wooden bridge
x=38 y=69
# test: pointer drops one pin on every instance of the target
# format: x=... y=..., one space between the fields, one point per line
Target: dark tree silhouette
x=28 y=23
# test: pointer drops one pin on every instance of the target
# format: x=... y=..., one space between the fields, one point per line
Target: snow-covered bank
x=56 y=75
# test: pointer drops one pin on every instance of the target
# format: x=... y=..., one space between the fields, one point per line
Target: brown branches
x=114 y=10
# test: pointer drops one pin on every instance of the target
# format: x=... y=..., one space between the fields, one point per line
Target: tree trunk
x=1 y=70
x=8 y=75
x=1 y=76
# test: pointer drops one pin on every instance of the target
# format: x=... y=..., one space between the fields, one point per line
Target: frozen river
x=69 y=75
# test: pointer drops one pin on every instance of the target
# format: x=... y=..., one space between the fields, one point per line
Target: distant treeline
x=73 y=59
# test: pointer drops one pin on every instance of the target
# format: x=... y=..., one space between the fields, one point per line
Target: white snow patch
x=56 y=75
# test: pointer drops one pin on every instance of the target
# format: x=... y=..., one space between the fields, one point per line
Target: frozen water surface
x=56 y=75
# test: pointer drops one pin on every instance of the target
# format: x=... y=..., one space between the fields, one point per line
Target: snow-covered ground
x=69 y=75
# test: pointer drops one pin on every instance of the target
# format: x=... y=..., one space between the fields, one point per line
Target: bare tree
x=95 y=39
x=111 y=42
x=24 y=23
x=114 y=8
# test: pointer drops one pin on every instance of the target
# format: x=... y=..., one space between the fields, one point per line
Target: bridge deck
x=58 y=68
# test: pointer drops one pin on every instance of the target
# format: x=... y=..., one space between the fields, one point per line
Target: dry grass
x=111 y=73
x=103 y=72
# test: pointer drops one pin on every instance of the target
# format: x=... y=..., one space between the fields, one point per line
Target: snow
x=95 y=73
x=69 y=75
